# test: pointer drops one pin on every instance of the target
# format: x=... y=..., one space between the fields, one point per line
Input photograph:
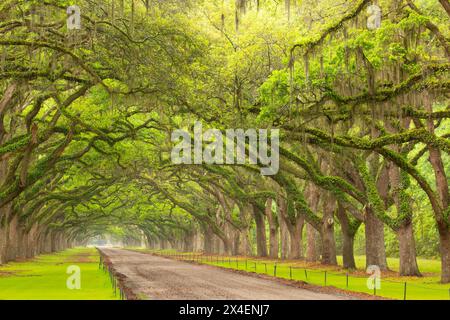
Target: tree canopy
x=86 y=117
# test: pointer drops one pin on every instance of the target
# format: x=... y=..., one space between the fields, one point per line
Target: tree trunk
x=295 y=232
x=405 y=231
x=244 y=243
x=446 y=5
x=273 y=228
x=313 y=239
x=444 y=237
x=442 y=189
x=207 y=240
x=312 y=250
x=228 y=228
x=225 y=246
x=3 y=241
x=348 y=256
x=188 y=242
x=284 y=235
x=261 y=243
x=408 y=261
x=23 y=243
x=328 y=240
x=375 y=250
x=13 y=239
x=348 y=237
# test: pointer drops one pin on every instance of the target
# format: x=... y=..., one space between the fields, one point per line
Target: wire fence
x=405 y=290
x=114 y=281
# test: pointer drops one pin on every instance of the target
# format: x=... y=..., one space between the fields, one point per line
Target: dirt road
x=153 y=277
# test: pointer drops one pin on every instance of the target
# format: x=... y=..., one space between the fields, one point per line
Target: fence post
x=347 y=280
x=374 y=286
x=404 y=292
x=265 y=267
x=290 y=272
x=306 y=275
x=325 y=277
x=275 y=270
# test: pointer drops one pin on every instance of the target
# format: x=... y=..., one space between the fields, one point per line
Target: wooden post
x=374 y=286
x=404 y=292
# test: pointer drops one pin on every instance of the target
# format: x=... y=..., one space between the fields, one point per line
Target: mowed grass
x=426 y=266
x=392 y=285
x=45 y=277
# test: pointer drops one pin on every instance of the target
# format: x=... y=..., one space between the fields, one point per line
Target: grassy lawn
x=392 y=286
x=44 y=277
x=426 y=266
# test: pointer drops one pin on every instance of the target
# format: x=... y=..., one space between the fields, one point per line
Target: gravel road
x=158 y=278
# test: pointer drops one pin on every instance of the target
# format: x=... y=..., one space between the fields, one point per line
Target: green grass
x=425 y=265
x=392 y=286
x=44 y=277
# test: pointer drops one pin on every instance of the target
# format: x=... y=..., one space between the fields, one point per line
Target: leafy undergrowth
x=44 y=277
x=391 y=285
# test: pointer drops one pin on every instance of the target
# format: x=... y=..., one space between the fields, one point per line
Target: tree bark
x=348 y=238
x=446 y=5
x=444 y=237
x=295 y=233
x=312 y=250
x=284 y=233
x=261 y=243
x=348 y=256
x=13 y=239
x=188 y=242
x=328 y=240
x=244 y=245
x=407 y=247
x=273 y=231
x=207 y=240
x=442 y=188
x=313 y=239
x=229 y=230
x=3 y=242
x=375 y=250
x=405 y=230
